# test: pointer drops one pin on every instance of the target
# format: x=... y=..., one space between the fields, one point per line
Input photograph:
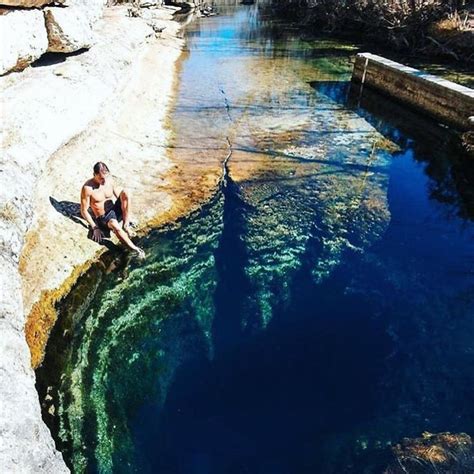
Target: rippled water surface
x=319 y=308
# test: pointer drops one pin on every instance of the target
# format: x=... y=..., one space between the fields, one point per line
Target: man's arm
x=85 y=203
x=97 y=235
x=116 y=188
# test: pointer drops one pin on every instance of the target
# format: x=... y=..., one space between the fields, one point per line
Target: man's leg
x=122 y=235
x=125 y=204
x=124 y=200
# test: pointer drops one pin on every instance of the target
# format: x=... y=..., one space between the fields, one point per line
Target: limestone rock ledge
x=43 y=109
x=23 y=39
x=68 y=29
x=27 y=34
x=28 y=3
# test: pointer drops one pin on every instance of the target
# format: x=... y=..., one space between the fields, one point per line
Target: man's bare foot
x=139 y=253
x=129 y=230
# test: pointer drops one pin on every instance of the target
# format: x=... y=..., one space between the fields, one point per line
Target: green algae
x=115 y=358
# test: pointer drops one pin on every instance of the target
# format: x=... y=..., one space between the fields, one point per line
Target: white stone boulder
x=149 y=3
x=69 y=29
x=23 y=39
x=27 y=3
x=93 y=9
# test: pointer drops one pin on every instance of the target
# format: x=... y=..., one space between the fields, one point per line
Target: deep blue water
x=317 y=310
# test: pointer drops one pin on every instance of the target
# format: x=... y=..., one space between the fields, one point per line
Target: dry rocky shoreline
x=107 y=103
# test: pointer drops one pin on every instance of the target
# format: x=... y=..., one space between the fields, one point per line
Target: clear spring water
x=317 y=309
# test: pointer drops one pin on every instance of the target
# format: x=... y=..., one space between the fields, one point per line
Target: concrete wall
x=444 y=100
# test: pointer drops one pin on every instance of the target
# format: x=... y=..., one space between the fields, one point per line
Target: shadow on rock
x=68 y=209
x=72 y=210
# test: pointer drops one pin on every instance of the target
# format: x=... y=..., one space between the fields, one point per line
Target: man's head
x=101 y=171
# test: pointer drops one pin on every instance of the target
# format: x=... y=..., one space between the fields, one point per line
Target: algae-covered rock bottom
x=313 y=313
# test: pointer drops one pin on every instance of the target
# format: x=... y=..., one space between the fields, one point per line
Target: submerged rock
x=467 y=143
x=433 y=453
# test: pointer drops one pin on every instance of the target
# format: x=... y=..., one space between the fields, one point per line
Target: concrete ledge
x=444 y=100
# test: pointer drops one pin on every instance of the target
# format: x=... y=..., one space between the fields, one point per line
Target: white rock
x=23 y=39
x=26 y=3
x=68 y=70
x=69 y=29
x=21 y=427
x=93 y=9
x=149 y=3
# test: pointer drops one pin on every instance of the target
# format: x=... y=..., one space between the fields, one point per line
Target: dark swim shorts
x=114 y=212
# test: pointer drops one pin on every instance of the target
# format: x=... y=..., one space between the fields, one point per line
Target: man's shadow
x=72 y=210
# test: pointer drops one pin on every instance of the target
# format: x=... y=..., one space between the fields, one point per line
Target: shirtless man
x=97 y=193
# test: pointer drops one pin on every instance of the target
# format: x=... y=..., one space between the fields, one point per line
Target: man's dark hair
x=100 y=166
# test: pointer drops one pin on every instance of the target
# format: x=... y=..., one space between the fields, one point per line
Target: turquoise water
x=318 y=309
